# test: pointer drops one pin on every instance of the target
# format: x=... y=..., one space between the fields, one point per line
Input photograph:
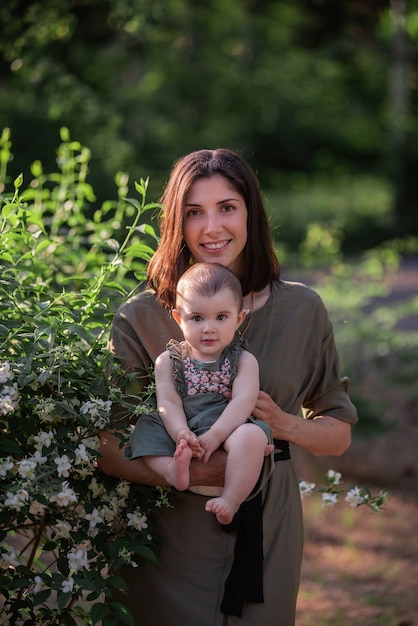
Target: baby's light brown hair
x=207 y=279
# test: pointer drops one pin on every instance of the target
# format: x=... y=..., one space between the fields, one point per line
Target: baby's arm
x=245 y=389
x=170 y=405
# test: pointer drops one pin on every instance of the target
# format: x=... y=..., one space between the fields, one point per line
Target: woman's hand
x=267 y=410
x=325 y=435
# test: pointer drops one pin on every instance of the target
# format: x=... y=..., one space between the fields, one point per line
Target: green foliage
x=373 y=344
x=299 y=87
x=65 y=528
x=318 y=220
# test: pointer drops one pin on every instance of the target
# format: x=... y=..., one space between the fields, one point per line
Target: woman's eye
x=227 y=208
x=192 y=213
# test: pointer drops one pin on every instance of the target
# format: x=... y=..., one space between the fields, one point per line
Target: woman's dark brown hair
x=173 y=257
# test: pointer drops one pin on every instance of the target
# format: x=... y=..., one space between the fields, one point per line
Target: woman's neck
x=257 y=299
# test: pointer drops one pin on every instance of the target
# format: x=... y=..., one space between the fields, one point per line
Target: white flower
x=123 y=488
x=137 y=520
x=329 y=499
x=109 y=513
x=38 y=458
x=6 y=465
x=8 y=559
x=334 y=477
x=36 y=508
x=16 y=500
x=94 y=518
x=97 y=489
x=5 y=372
x=9 y=399
x=64 y=497
x=38 y=584
x=45 y=409
x=26 y=468
x=94 y=405
x=306 y=489
x=83 y=472
x=67 y=585
x=92 y=443
x=77 y=559
x=81 y=455
x=62 y=529
x=44 y=439
x=355 y=497
x=63 y=465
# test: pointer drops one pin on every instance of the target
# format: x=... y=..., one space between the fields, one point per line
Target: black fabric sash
x=245 y=580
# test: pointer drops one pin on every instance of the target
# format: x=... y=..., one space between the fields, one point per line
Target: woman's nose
x=213 y=224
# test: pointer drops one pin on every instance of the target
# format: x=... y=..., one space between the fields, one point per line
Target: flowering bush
x=332 y=492
x=65 y=528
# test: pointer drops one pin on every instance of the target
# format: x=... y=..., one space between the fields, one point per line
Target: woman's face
x=215 y=223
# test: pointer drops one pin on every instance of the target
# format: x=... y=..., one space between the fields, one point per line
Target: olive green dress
x=292 y=338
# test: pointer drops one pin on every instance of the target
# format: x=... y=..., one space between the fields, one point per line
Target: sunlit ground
x=360 y=568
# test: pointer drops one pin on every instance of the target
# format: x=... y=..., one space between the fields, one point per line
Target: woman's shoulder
x=293 y=291
x=144 y=304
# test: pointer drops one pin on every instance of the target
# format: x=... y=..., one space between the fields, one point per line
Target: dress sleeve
x=327 y=393
x=140 y=331
x=129 y=365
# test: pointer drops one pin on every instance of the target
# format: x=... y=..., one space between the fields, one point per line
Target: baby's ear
x=176 y=316
x=241 y=316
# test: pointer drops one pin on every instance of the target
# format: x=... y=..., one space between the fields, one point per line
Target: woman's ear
x=176 y=316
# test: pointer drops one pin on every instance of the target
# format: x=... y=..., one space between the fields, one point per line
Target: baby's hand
x=209 y=443
x=192 y=441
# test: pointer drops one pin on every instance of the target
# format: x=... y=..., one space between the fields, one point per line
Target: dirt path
x=360 y=568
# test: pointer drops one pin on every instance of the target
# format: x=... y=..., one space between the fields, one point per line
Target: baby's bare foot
x=223 y=507
x=178 y=473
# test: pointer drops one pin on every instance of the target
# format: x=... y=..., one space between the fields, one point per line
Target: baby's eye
x=221 y=317
x=197 y=318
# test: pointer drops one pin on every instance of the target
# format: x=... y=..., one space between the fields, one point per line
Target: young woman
x=213 y=212
x=206 y=388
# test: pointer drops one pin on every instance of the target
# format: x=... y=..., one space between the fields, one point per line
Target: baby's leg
x=176 y=469
x=245 y=448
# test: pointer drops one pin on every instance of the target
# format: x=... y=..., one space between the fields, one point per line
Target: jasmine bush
x=65 y=529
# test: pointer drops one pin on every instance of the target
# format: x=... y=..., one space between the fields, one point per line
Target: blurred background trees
x=321 y=96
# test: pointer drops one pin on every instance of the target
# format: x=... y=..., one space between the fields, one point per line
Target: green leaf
x=63 y=599
x=122 y=613
x=10 y=446
x=98 y=611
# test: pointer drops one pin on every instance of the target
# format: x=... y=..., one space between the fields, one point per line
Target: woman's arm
x=114 y=463
x=322 y=436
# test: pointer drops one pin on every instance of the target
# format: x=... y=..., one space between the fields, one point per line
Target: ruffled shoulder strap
x=178 y=353
x=234 y=351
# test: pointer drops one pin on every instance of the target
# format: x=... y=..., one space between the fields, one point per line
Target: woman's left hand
x=324 y=435
x=267 y=410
